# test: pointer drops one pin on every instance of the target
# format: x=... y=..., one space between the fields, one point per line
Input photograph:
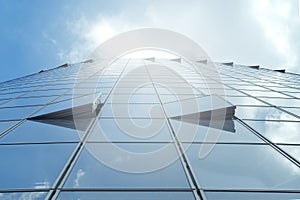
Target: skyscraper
x=151 y=128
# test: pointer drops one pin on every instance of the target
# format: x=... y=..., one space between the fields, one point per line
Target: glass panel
x=188 y=132
x=17 y=113
x=282 y=102
x=244 y=101
x=132 y=110
x=243 y=167
x=133 y=98
x=266 y=94
x=90 y=172
x=32 y=166
x=262 y=113
x=278 y=132
x=293 y=151
x=137 y=130
x=6 y=125
x=295 y=111
x=153 y=195
x=28 y=101
x=251 y=196
x=24 y=195
x=31 y=131
x=195 y=105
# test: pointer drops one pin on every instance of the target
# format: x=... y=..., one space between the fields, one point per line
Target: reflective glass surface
x=23 y=196
x=153 y=195
x=89 y=172
x=146 y=107
x=32 y=166
x=279 y=131
x=31 y=131
x=243 y=167
x=188 y=132
x=134 y=130
x=262 y=113
x=251 y=196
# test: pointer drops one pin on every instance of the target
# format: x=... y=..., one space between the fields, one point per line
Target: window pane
x=132 y=110
x=165 y=195
x=243 y=167
x=31 y=131
x=32 y=166
x=135 y=130
x=262 y=113
x=278 y=132
x=186 y=131
x=23 y=196
x=89 y=172
x=251 y=196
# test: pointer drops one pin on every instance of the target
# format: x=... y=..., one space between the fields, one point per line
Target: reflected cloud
x=80 y=173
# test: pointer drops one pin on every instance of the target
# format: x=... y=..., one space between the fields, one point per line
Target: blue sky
x=36 y=35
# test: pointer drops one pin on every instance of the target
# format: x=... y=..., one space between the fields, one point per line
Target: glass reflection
x=135 y=130
x=293 y=151
x=185 y=132
x=278 y=131
x=243 y=167
x=89 y=172
x=251 y=196
x=31 y=131
x=23 y=196
x=153 y=195
x=32 y=166
x=132 y=111
x=262 y=113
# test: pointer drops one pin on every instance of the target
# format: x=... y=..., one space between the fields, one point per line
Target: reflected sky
x=153 y=195
x=278 y=132
x=251 y=196
x=263 y=113
x=32 y=166
x=243 y=167
x=89 y=172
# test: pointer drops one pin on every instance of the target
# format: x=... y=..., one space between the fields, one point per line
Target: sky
x=37 y=35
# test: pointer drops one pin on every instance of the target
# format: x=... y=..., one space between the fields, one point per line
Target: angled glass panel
x=278 y=132
x=90 y=172
x=134 y=130
x=251 y=196
x=32 y=166
x=243 y=167
x=31 y=131
x=262 y=113
x=188 y=132
x=144 y=195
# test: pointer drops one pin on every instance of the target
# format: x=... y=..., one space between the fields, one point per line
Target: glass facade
x=143 y=136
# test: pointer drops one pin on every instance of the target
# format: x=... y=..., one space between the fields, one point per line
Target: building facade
x=151 y=129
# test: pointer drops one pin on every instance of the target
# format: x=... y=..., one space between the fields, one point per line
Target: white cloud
x=79 y=175
x=279 y=20
x=26 y=195
x=90 y=34
x=249 y=32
